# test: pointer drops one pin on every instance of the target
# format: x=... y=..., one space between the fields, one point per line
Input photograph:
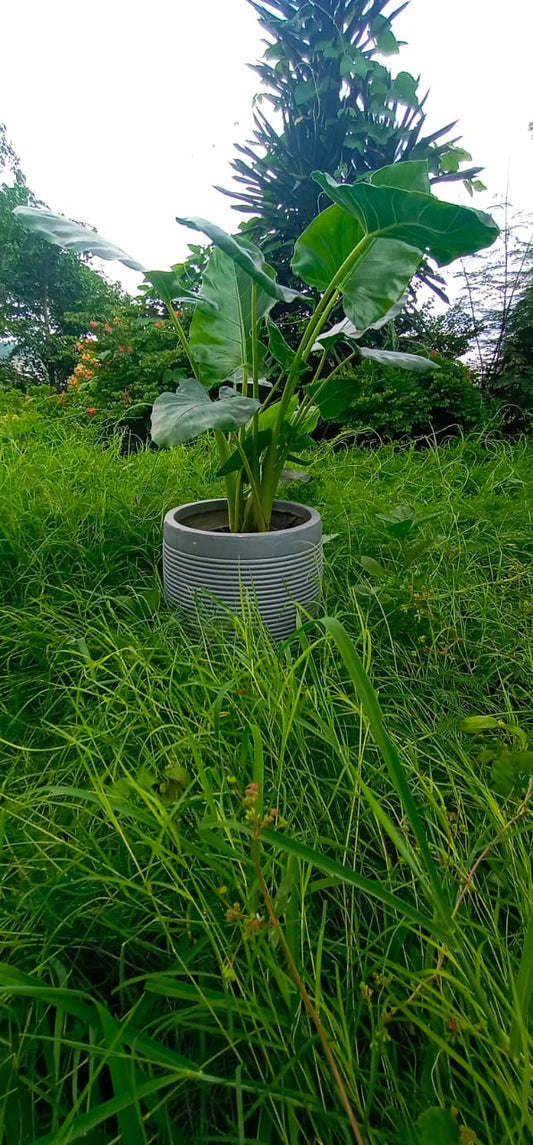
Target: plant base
x=207 y=569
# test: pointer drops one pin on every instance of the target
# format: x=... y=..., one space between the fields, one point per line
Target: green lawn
x=147 y=995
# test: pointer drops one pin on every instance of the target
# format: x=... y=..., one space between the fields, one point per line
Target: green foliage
x=495 y=287
x=509 y=754
x=364 y=255
x=124 y=364
x=342 y=112
x=47 y=295
x=183 y=415
x=449 y=333
x=511 y=380
x=393 y=404
x=145 y=993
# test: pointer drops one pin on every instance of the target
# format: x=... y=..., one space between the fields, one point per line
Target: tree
x=341 y=112
x=511 y=378
x=491 y=285
x=47 y=296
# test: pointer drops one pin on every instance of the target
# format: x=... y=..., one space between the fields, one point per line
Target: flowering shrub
x=122 y=364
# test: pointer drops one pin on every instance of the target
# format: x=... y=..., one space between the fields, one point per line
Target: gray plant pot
x=207 y=569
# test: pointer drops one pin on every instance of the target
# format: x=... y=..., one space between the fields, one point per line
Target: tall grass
x=151 y=909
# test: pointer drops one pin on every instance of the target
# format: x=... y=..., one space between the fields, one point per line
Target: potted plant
x=361 y=252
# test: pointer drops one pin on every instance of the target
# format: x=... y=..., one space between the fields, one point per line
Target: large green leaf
x=60 y=231
x=325 y=245
x=221 y=340
x=443 y=230
x=179 y=417
x=413 y=175
x=334 y=397
x=399 y=360
x=245 y=255
x=374 y=284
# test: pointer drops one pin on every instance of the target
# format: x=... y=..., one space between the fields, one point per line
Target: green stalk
x=309 y=399
x=318 y=370
x=303 y=991
x=273 y=465
x=256 y=492
x=230 y=481
x=261 y=523
x=182 y=337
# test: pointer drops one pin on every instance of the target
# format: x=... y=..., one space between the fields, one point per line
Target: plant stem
x=310 y=399
x=182 y=337
x=302 y=990
x=273 y=464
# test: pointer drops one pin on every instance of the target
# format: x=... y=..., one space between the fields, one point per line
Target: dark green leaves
x=386 y=41
x=437 y=1127
x=278 y=347
x=60 y=231
x=404 y=89
x=253 y=445
x=443 y=230
x=333 y=398
x=244 y=255
x=179 y=417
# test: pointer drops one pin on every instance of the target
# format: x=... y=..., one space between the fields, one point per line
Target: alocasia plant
x=361 y=252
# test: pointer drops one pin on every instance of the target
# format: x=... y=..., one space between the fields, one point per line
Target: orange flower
x=108 y=328
x=129 y=349
x=159 y=325
x=91 y=411
x=93 y=325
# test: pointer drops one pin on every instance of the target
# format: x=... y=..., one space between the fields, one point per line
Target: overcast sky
x=124 y=114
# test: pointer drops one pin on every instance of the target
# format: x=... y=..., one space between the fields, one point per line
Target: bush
x=396 y=404
x=511 y=383
x=122 y=365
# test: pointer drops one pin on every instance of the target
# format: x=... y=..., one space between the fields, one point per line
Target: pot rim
x=190 y=508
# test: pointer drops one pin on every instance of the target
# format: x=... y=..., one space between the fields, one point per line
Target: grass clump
x=156 y=782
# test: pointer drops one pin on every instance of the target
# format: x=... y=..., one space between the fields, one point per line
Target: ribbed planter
x=207 y=569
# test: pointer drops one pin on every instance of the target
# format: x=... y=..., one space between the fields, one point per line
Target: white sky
x=124 y=113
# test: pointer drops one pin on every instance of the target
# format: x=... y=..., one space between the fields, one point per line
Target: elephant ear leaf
x=60 y=231
x=379 y=270
x=246 y=256
x=400 y=360
x=180 y=417
x=443 y=230
x=412 y=175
